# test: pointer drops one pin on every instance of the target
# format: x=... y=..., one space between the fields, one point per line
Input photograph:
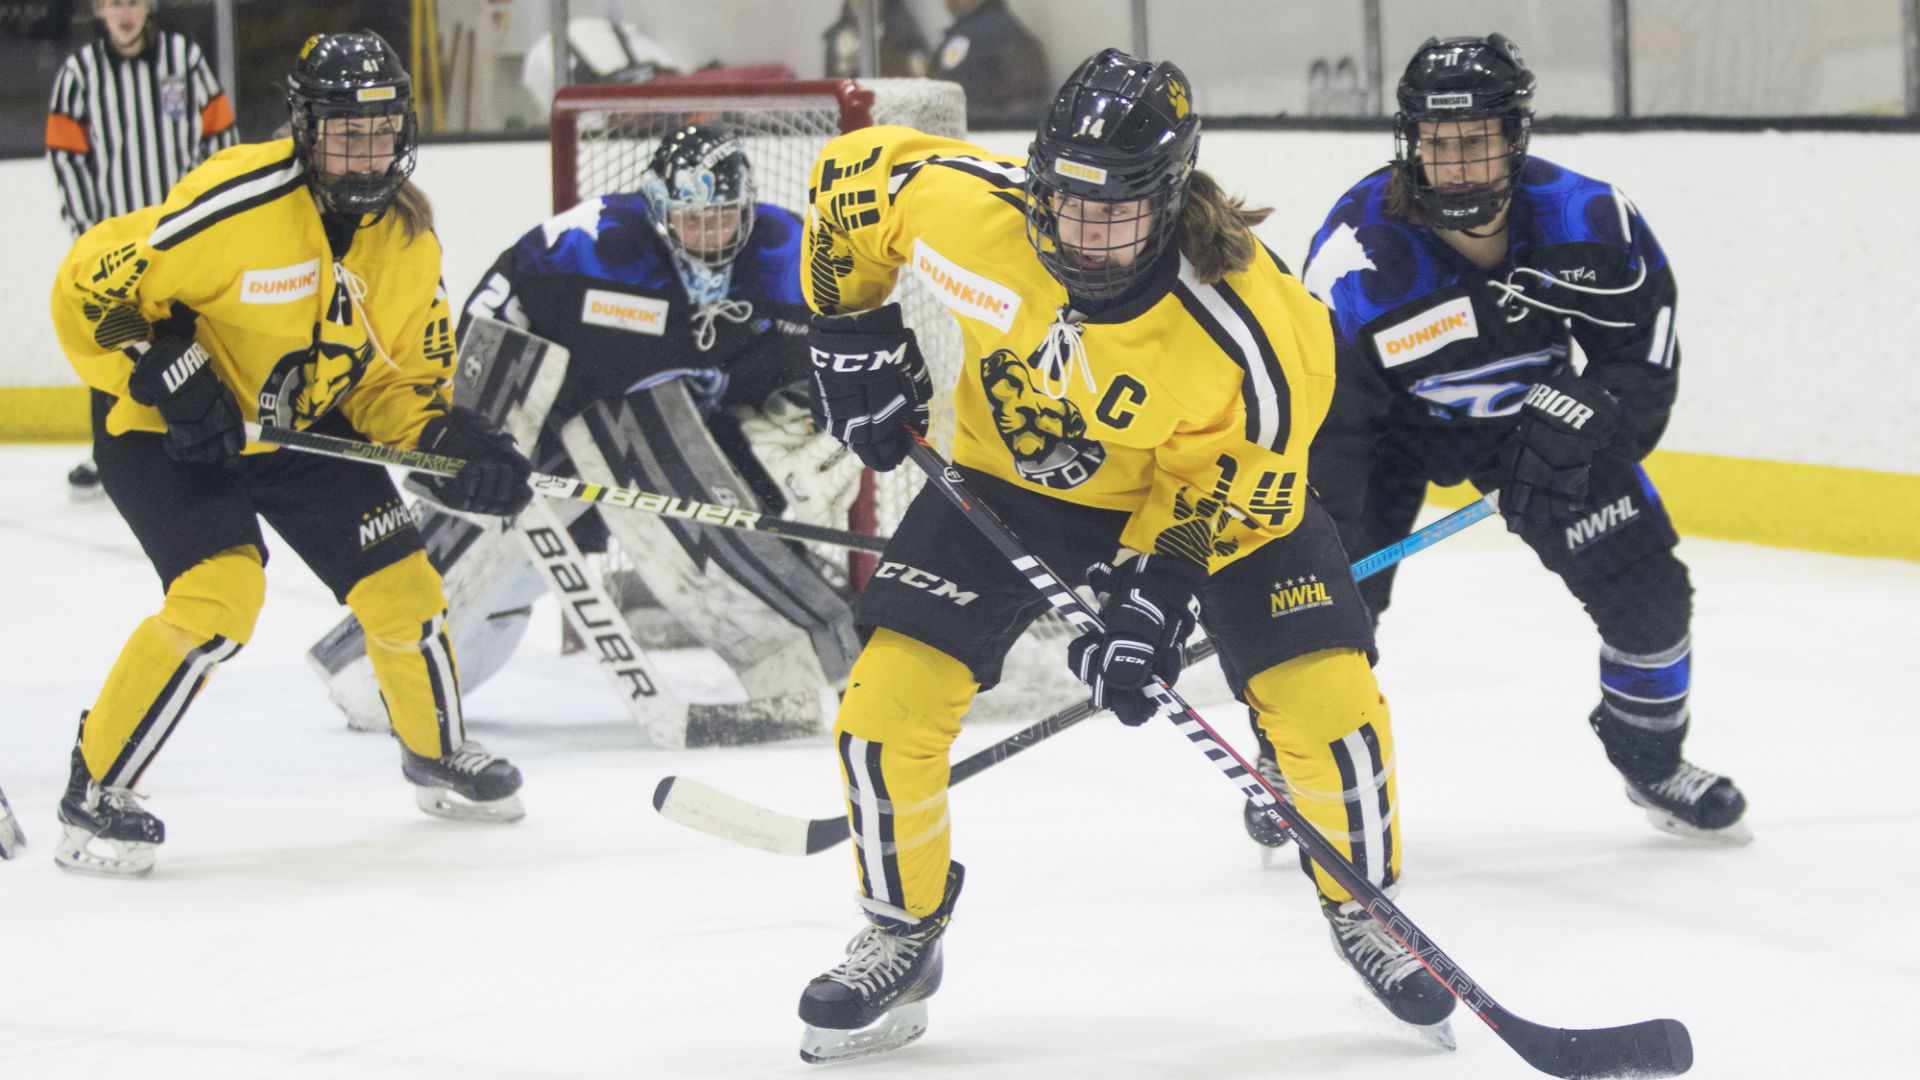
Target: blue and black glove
x=1565 y=423
x=494 y=480
x=1149 y=607
x=175 y=375
x=868 y=379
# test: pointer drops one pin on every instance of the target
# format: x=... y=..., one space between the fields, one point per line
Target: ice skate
x=1263 y=831
x=875 y=1000
x=11 y=840
x=1694 y=803
x=83 y=482
x=469 y=784
x=1680 y=798
x=1397 y=977
x=103 y=829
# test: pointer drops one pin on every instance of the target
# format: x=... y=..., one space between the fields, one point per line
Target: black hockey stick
x=711 y=810
x=566 y=487
x=1651 y=1048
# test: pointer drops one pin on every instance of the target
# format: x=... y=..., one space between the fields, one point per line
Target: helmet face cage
x=351 y=103
x=699 y=191
x=1107 y=173
x=1462 y=170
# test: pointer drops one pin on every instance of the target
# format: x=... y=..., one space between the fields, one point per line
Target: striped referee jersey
x=121 y=131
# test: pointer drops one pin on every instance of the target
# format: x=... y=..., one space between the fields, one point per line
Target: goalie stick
x=566 y=487
x=710 y=810
x=11 y=840
x=1651 y=1048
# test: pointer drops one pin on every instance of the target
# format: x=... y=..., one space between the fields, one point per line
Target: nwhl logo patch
x=384 y=523
x=1601 y=522
x=1297 y=594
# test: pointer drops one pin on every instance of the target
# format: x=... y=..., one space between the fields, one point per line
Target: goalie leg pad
x=1333 y=737
x=750 y=598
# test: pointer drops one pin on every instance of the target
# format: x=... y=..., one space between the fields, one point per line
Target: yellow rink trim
x=44 y=414
x=1811 y=507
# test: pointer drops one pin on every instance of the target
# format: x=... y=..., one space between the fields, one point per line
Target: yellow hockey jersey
x=293 y=333
x=1192 y=405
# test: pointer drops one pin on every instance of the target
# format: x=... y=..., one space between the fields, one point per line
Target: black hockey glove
x=868 y=379
x=494 y=480
x=1564 y=423
x=175 y=375
x=1148 y=606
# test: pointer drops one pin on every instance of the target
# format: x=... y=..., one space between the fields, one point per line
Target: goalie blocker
x=755 y=601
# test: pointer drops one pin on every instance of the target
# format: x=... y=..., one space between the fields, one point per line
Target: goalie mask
x=699 y=192
x=1460 y=137
x=1107 y=174
x=351 y=102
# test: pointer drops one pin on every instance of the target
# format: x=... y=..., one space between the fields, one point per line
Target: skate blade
x=1734 y=835
x=1440 y=1034
x=901 y=1025
x=11 y=838
x=77 y=852
x=443 y=803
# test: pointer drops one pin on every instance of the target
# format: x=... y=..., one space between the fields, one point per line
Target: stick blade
x=1652 y=1048
x=716 y=813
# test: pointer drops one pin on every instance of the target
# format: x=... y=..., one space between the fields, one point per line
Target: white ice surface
x=306 y=921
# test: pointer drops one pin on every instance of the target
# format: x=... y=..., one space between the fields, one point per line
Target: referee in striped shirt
x=131 y=114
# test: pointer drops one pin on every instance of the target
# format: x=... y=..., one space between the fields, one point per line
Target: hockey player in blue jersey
x=1464 y=280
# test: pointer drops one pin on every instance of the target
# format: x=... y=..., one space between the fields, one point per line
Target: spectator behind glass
x=903 y=48
x=998 y=62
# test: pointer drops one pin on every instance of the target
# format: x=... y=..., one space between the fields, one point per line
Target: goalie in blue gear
x=679 y=307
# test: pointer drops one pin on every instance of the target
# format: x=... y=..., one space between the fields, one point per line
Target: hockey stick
x=566 y=487
x=1651 y=1048
x=11 y=839
x=710 y=810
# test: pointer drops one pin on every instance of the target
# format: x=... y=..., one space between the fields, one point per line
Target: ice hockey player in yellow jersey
x=1141 y=381
x=291 y=283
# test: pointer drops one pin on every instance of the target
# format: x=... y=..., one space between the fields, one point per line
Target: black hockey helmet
x=352 y=91
x=1464 y=79
x=1121 y=131
x=699 y=191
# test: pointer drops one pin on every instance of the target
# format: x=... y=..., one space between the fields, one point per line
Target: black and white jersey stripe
x=1226 y=318
x=143 y=121
x=216 y=204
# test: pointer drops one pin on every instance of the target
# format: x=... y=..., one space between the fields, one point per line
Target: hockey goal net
x=603 y=137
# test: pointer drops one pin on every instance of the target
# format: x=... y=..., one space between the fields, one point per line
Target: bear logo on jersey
x=1048 y=436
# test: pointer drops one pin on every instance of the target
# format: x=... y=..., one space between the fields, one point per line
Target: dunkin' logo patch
x=634 y=314
x=1427 y=332
x=966 y=292
x=282 y=286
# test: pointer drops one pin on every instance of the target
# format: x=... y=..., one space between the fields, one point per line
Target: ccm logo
x=931 y=583
x=855 y=363
x=1560 y=406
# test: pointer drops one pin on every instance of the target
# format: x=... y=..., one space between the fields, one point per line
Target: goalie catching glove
x=1149 y=609
x=175 y=375
x=868 y=379
x=1565 y=422
x=493 y=480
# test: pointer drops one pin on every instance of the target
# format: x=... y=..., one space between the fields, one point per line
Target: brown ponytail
x=1216 y=229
